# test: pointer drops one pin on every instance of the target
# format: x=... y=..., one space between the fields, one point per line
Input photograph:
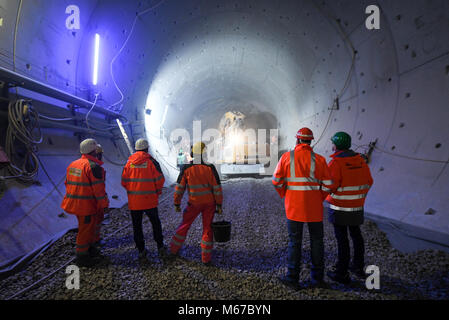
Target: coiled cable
x=23 y=128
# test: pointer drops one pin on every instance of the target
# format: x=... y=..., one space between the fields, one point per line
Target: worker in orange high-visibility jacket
x=302 y=178
x=85 y=197
x=202 y=182
x=352 y=180
x=143 y=180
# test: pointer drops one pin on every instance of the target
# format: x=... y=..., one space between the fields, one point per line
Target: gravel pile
x=247 y=267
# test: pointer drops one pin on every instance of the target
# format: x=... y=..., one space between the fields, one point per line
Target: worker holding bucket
x=205 y=196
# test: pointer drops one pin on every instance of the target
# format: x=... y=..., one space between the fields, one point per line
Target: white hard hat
x=88 y=145
x=141 y=144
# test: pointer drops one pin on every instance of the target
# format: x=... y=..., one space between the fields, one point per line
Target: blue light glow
x=96 y=56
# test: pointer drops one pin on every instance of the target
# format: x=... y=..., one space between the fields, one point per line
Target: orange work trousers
x=190 y=214
x=99 y=217
x=89 y=228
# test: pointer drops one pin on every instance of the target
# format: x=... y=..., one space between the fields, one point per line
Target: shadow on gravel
x=118 y=242
x=272 y=261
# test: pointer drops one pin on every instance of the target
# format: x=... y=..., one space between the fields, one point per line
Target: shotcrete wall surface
x=195 y=60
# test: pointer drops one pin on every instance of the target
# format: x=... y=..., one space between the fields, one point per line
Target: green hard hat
x=342 y=140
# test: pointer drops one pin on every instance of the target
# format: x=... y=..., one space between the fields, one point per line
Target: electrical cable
x=164 y=160
x=55 y=119
x=23 y=121
x=325 y=128
x=40 y=280
x=19 y=9
x=163 y=157
x=17 y=128
x=366 y=146
x=15 y=42
x=87 y=115
x=9 y=177
x=108 y=127
x=107 y=130
x=123 y=47
x=408 y=157
x=15 y=33
x=49 y=178
x=69 y=261
x=400 y=155
x=97 y=127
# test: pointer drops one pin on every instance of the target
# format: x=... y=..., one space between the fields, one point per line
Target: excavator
x=239 y=149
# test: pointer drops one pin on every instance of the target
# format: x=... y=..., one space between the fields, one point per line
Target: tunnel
x=164 y=70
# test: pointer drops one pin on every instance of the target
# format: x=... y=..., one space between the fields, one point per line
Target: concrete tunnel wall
x=289 y=59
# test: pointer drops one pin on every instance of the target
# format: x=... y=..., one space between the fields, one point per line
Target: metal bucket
x=222 y=231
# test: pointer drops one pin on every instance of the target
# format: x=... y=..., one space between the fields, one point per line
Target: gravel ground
x=247 y=267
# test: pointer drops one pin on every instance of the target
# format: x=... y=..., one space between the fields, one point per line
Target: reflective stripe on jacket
x=352 y=181
x=85 y=187
x=202 y=183
x=143 y=180
x=304 y=185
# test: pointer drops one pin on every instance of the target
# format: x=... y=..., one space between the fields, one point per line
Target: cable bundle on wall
x=23 y=129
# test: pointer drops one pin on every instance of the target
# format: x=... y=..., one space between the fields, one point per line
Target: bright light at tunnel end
x=96 y=59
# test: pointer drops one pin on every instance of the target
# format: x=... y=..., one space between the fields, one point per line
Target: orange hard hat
x=305 y=134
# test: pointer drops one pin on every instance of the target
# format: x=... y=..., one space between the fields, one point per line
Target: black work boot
x=95 y=252
x=99 y=244
x=143 y=255
x=162 y=251
x=85 y=260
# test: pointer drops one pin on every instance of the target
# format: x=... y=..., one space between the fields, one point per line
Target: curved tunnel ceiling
x=286 y=59
x=198 y=59
x=213 y=56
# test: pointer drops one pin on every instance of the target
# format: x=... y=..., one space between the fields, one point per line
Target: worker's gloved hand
x=219 y=209
x=177 y=208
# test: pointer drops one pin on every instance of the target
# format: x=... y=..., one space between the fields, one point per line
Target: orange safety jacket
x=143 y=180
x=85 y=187
x=202 y=182
x=304 y=184
x=351 y=181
